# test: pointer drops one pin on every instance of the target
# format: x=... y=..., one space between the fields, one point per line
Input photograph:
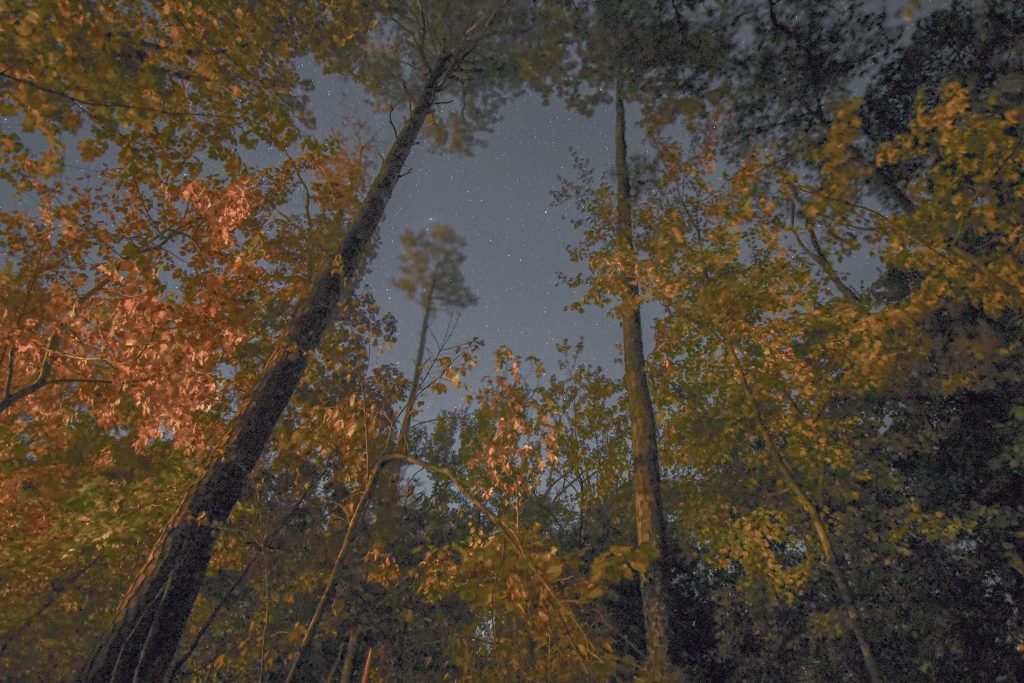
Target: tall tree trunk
x=650 y=515
x=154 y=612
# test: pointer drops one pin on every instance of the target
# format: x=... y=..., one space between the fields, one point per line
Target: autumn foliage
x=835 y=381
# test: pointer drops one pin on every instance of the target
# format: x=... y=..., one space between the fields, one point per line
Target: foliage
x=431 y=268
x=841 y=460
x=160 y=86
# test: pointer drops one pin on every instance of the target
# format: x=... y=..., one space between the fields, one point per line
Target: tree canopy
x=211 y=468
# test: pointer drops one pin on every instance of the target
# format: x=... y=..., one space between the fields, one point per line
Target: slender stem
x=428 y=305
x=299 y=664
x=10 y=353
x=266 y=588
x=366 y=667
x=349 y=653
x=111 y=104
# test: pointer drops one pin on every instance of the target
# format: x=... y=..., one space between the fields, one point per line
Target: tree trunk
x=417 y=371
x=154 y=612
x=350 y=658
x=831 y=561
x=366 y=667
x=650 y=516
x=300 y=669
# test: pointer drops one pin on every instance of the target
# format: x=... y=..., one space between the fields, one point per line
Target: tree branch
x=108 y=105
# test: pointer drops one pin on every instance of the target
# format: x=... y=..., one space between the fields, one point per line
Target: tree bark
x=155 y=610
x=650 y=515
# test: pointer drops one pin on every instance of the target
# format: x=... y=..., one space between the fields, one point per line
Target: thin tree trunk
x=155 y=610
x=831 y=561
x=299 y=670
x=650 y=515
x=350 y=658
x=417 y=372
x=401 y=443
x=366 y=667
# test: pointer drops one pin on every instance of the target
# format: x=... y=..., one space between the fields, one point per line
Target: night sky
x=499 y=200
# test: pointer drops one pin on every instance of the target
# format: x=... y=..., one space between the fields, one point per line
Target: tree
x=733 y=331
x=608 y=35
x=650 y=515
x=973 y=43
x=752 y=335
x=161 y=87
x=124 y=287
x=799 y=66
x=156 y=608
x=96 y=482
x=838 y=462
x=431 y=275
